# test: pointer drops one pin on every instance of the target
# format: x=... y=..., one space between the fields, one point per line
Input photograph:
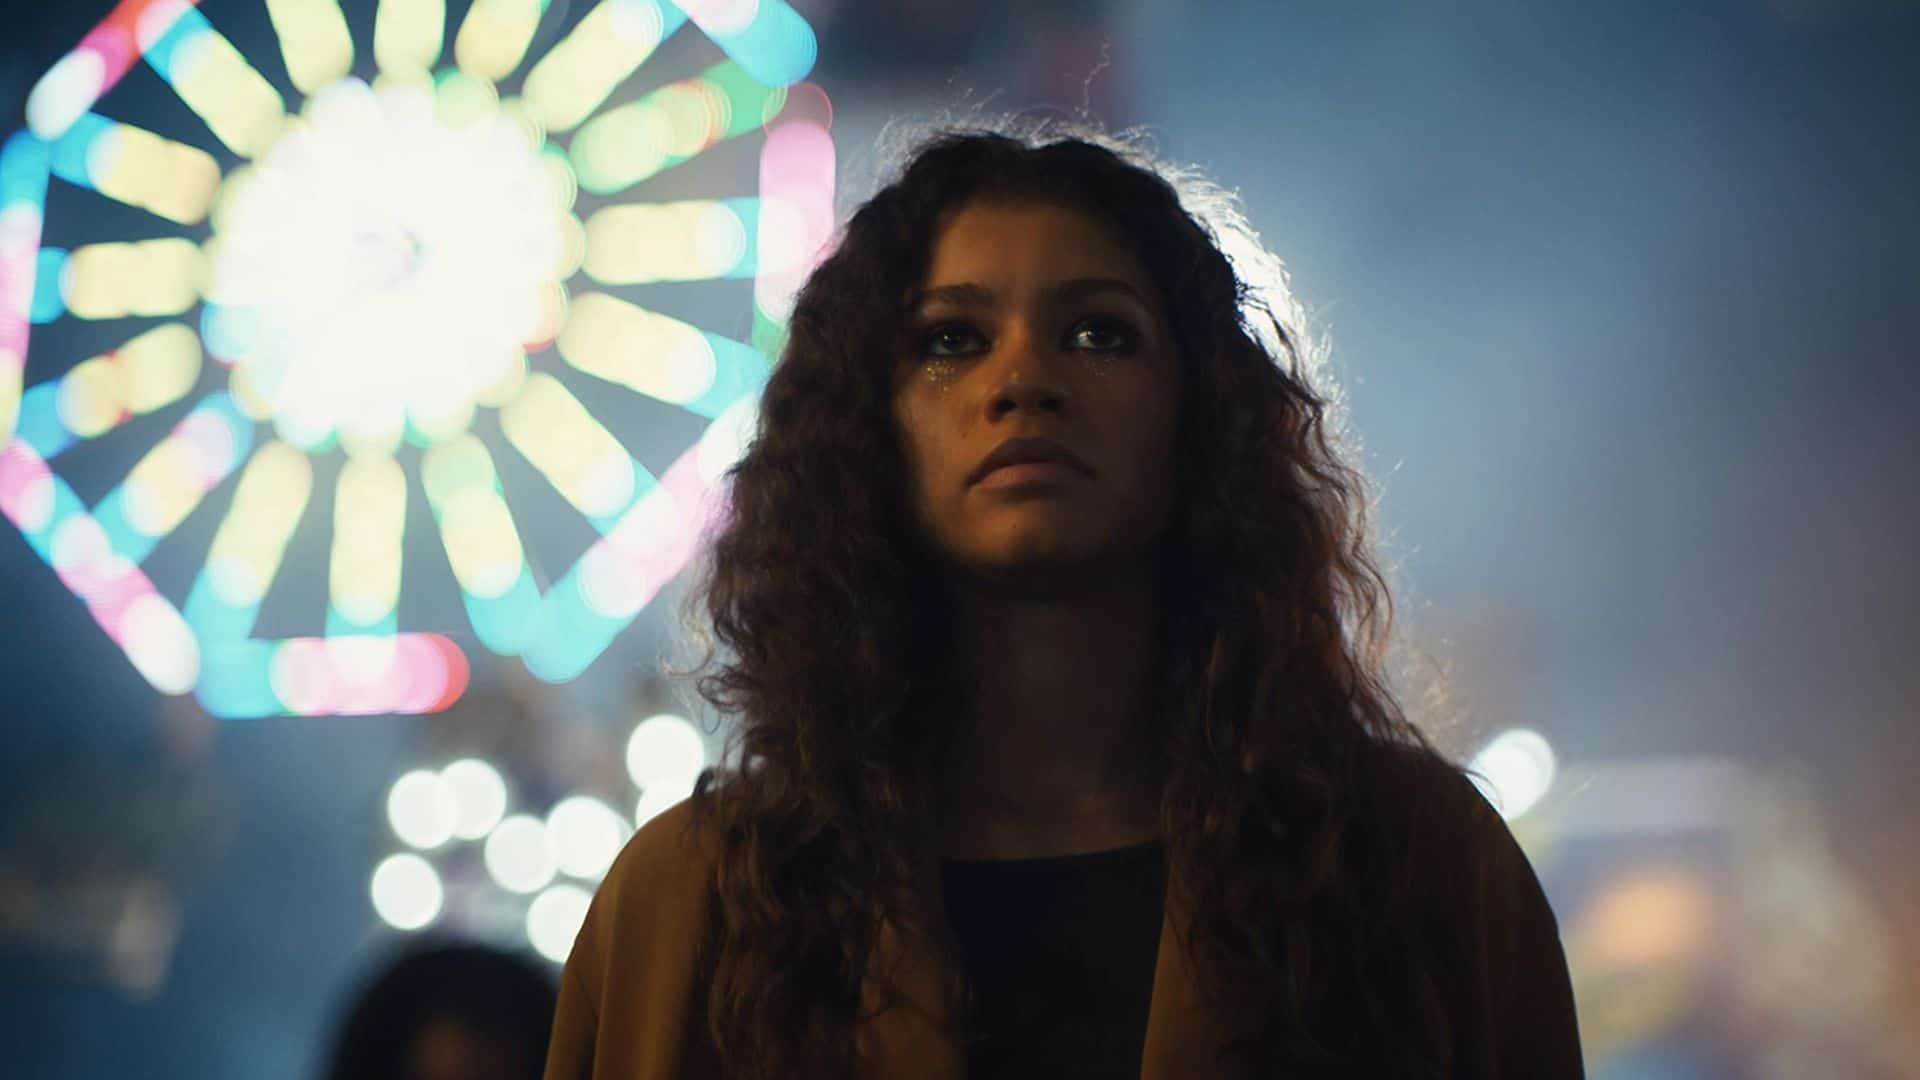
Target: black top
x=1060 y=951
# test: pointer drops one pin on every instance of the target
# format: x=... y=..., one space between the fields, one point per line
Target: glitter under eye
x=924 y=341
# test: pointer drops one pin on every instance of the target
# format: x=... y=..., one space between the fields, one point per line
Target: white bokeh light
x=584 y=835
x=665 y=749
x=388 y=262
x=517 y=855
x=65 y=93
x=406 y=891
x=479 y=796
x=1518 y=767
x=554 y=919
x=726 y=439
x=659 y=797
x=421 y=809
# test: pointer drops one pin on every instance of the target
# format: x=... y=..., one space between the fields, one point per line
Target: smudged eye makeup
x=946 y=340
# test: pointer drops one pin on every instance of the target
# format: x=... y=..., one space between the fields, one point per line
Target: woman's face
x=1035 y=322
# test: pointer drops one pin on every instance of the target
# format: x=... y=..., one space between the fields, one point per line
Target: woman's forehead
x=986 y=242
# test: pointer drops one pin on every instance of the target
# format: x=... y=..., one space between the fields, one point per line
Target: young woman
x=1064 y=743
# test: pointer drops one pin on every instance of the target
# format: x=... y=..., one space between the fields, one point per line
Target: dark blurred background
x=1622 y=295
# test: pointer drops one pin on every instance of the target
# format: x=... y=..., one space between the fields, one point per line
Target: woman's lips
x=1030 y=473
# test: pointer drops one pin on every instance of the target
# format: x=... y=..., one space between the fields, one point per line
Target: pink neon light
x=117 y=40
x=105 y=580
x=20 y=225
x=23 y=481
x=211 y=437
x=426 y=673
x=806 y=103
x=796 y=166
x=108 y=585
x=705 y=503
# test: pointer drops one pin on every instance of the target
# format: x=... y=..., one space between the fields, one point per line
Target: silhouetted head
x=448 y=1012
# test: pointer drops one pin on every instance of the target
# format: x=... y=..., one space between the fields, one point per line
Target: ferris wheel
x=355 y=246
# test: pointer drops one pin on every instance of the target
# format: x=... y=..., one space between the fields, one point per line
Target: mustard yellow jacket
x=632 y=1002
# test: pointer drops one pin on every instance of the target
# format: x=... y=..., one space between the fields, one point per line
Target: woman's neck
x=1054 y=745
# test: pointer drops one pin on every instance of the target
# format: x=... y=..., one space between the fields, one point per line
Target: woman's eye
x=1117 y=337
x=944 y=340
x=1101 y=335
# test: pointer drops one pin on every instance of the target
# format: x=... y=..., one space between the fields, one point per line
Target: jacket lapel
x=918 y=1037
x=1182 y=1035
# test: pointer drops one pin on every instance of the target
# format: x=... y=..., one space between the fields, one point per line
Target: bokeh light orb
x=422 y=808
x=554 y=920
x=518 y=856
x=479 y=797
x=665 y=750
x=386 y=260
x=406 y=891
x=658 y=798
x=584 y=835
x=1516 y=769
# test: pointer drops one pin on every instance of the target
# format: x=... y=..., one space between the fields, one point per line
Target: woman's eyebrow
x=972 y=293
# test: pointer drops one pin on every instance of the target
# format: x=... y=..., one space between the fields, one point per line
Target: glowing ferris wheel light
x=379 y=264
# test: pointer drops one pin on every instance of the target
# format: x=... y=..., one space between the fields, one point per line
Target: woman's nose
x=1027 y=375
x=1026 y=396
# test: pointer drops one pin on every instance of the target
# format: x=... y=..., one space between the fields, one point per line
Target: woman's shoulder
x=667 y=855
x=631 y=989
x=1417 y=786
x=1456 y=842
x=660 y=883
x=1483 y=919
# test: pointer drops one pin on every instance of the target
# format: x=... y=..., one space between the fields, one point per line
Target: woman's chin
x=1040 y=567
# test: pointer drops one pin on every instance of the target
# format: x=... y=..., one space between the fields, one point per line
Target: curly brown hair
x=1276 y=642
